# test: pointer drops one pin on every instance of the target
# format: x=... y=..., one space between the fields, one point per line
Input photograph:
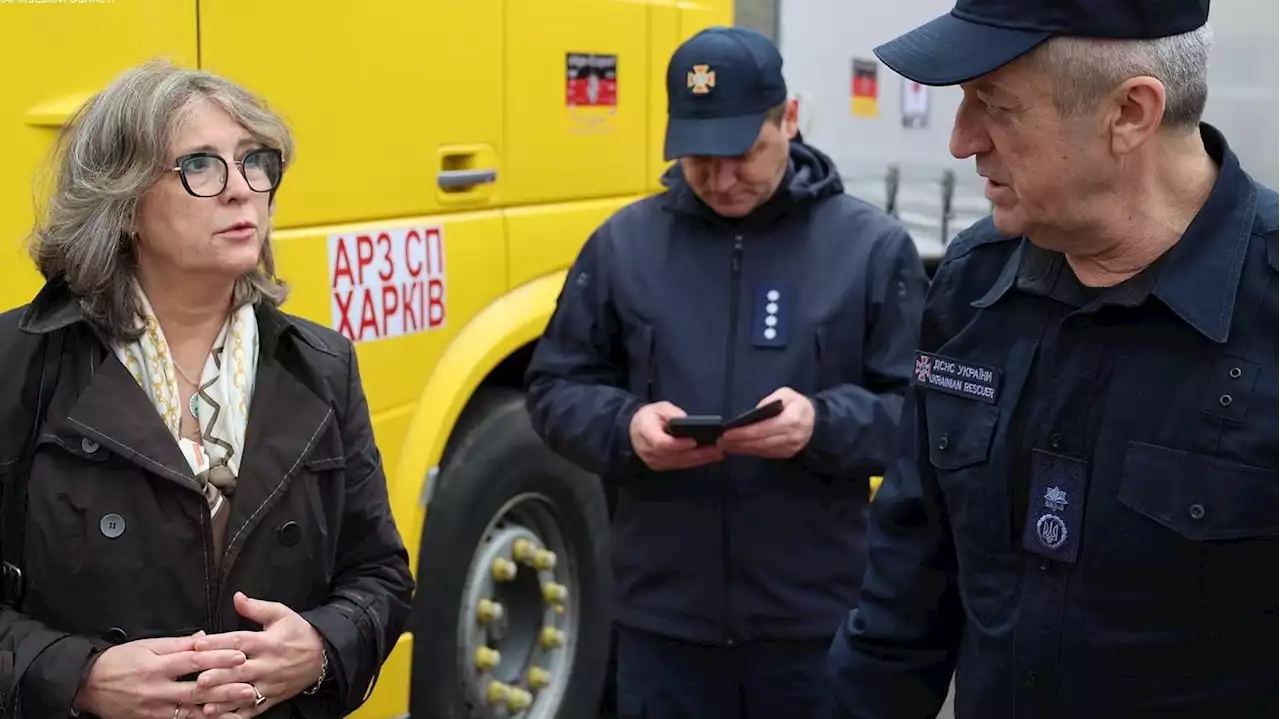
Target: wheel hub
x=519 y=623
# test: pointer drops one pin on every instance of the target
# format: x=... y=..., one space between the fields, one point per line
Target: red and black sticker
x=864 y=79
x=591 y=80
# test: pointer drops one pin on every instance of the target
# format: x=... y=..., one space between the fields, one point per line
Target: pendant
x=194 y=406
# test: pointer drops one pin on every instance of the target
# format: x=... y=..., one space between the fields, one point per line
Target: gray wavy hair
x=112 y=151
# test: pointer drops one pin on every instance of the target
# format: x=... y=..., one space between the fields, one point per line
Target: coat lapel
x=114 y=412
x=285 y=420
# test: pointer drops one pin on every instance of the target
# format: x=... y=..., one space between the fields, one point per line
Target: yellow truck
x=453 y=155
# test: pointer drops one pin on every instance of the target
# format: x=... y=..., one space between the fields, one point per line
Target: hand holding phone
x=659 y=449
x=780 y=436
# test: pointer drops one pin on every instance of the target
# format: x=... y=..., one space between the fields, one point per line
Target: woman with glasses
x=195 y=519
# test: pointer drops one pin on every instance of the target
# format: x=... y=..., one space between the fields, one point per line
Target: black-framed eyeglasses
x=204 y=174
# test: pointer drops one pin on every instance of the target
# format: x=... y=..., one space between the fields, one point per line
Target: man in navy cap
x=1083 y=522
x=752 y=279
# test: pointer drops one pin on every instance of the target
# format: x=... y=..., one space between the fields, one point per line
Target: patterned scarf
x=220 y=407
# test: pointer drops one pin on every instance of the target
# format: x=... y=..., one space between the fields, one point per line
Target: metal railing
x=932 y=204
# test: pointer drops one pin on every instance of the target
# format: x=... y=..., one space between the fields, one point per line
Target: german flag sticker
x=865 y=92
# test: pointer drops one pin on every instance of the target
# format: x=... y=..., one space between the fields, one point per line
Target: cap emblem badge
x=702 y=79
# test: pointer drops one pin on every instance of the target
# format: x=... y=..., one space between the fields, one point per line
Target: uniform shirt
x=1086 y=527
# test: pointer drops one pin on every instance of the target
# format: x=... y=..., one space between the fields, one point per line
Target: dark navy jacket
x=667 y=301
x=1098 y=541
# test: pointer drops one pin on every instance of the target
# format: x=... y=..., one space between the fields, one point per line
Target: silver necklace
x=193 y=406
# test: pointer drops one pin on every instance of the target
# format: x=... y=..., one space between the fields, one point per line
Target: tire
x=497 y=459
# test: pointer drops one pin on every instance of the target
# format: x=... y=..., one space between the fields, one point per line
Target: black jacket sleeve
x=371 y=599
x=576 y=379
x=894 y=655
x=856 y=426
x=41 y=668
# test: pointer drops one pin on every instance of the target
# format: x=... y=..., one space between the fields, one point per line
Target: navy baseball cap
x=720 y=85
x=981 y=36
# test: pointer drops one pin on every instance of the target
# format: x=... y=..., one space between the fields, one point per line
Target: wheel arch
x=491 y=351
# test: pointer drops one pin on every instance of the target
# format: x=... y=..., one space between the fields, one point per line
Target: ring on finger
x=258 y=698
x=177 y=711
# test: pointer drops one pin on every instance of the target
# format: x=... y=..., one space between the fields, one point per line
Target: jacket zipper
x=735 y=280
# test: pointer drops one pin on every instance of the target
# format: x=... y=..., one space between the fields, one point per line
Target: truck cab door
x=578 y=99
x=47 y=78
x=388 y=225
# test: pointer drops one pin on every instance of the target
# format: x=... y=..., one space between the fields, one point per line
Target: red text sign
x=387 y=283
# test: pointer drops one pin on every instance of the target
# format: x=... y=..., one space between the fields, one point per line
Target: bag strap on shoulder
x=13 y=503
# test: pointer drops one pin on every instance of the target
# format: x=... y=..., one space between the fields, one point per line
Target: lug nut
x=498 y=692
x=488 y=611
x=487 y=659
x=538 y=678
x=503 y=570
x=523 y=550
x=553 y=593
x=552 y=638
x=544 y=560
x=519 y=700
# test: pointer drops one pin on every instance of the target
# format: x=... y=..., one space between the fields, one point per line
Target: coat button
x=1055 y=441
x=116 y=635
x=1225 y=400
x=943 y=442
x=89 y=446
x=1196 y=511
x=1235 y=373
x=289 y=533
x=112 y=526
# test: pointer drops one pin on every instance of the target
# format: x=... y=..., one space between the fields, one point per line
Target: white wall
x=819 y=39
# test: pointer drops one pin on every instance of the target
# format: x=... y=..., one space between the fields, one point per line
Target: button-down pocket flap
x=960 y=430
x=1198 y=496
x=83 y=447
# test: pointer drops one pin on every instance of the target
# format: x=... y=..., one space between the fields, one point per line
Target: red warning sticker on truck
x=591 y=80
x=387 y=283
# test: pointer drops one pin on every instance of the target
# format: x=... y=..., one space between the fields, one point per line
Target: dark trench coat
x=117 y=534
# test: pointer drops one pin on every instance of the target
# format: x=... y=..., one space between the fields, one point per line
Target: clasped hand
x=144 y=678
x=778 y=437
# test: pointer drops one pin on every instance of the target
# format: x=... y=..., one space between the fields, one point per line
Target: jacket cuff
x=344 y=644
x=626 y=462
x=813 y=455
x=50 y=684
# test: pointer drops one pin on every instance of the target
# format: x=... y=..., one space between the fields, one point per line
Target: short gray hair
x=108 y=155
x=1084 y=70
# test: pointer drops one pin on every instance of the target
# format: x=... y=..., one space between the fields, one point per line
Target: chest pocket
x=960 y=433
x=1203 y=524
x=839 y=357
x=641 y=365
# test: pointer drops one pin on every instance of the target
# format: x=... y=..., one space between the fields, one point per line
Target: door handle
x=454 y=180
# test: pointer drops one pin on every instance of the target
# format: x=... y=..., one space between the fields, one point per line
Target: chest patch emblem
x=957 y=377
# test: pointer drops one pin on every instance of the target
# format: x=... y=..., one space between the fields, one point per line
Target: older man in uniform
x=1083 y=525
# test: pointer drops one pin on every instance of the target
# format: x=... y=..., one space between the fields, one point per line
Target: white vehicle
x=893 y=152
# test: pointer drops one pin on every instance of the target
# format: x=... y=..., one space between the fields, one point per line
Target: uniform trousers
x=662 y=678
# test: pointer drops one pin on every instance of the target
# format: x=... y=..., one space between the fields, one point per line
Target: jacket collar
x=56 y=307
x=1197 y=278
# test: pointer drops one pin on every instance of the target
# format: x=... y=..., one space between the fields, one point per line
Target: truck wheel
x=511 y=615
